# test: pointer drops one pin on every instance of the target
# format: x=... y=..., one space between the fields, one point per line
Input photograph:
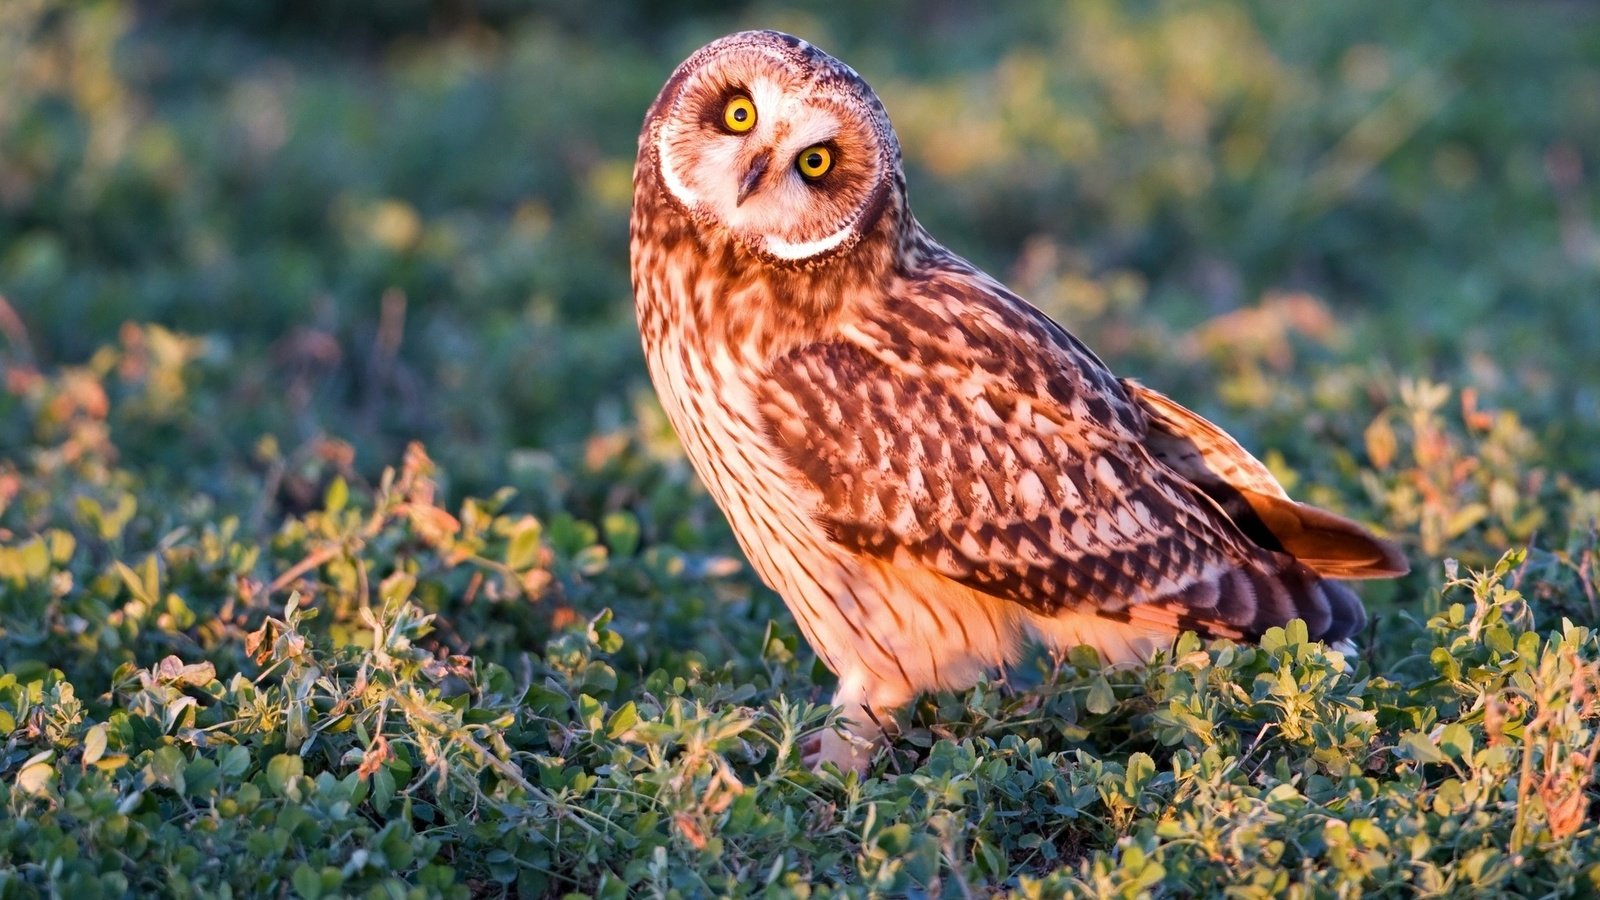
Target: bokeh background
x=408 y=219
x=251 y=636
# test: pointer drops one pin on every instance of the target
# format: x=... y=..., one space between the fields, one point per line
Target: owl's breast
x=708 y=392
x=710 y=403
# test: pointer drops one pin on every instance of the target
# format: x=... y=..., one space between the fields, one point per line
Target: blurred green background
x=250 y=250
x=378 y=220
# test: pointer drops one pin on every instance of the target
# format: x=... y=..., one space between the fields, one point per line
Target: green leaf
x=894 y=840
x=1295 y=632
x=35 y=559
x=167 y=764
x=1464 y=518
x=589 y=712
x=307 y=882
x=62 y=544
x=283 y=772
x=201 y=777
x=622 y=721
x=337 y=495
x=1418 y=746
x=35 y=778
x=622 y=533
x=1101 y=698
x=382 y=790
x=522 y=552
x=235 y=761
x=1456 y=741
x=134 y=582
x=94 y=744
x=598 y=678
x=990 y=857
x=1140 y=770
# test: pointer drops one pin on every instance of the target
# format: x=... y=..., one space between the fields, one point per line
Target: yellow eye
x=739 y=115
x=814 y=162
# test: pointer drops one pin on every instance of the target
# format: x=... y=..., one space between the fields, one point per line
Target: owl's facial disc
x=776 y=144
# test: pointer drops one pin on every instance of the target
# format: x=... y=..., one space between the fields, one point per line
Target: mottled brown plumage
x=928 y=469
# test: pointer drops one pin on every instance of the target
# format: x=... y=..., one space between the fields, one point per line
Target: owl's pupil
x=814 y=160
x=741 y=114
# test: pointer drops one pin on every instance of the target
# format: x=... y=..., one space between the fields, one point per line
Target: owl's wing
x=961 y=430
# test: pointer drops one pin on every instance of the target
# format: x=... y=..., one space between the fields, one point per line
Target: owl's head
x=766 y=138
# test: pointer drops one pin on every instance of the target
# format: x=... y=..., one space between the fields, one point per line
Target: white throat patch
x=792 y=251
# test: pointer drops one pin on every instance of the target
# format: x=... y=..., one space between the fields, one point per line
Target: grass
x=344 y=550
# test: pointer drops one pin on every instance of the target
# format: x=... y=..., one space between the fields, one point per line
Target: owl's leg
x=866 y=710
x=846 y=750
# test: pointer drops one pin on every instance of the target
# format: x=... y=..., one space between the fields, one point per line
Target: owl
x=930 y=471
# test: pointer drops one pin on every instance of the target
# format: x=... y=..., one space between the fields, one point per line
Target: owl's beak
x=752 y=176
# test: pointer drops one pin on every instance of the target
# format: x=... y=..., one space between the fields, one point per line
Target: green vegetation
x=255 y=640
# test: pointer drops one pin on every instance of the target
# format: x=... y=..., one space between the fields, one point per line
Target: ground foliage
x=343 y=550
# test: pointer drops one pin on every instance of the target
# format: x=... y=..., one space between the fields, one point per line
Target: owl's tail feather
x=1251 y=496
x=1246 y=600
x=1330 y=544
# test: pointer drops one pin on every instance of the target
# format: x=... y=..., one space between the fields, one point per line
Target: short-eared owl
x=927 y=468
